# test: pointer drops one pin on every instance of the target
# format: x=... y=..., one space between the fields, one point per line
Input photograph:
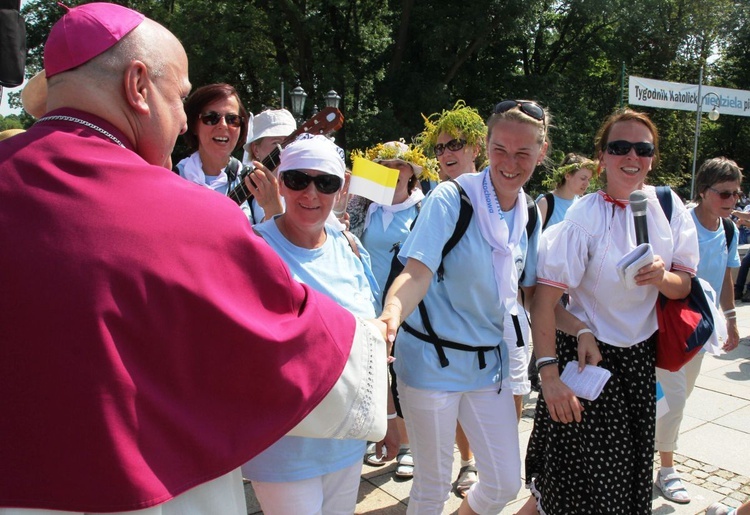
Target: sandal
x=672 y=488
x=371 y=457
x=404 y=464
x=467 y=476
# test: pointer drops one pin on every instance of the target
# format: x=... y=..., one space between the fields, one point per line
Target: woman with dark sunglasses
x=312 y=475
x=217 y=125
x=717 y=188
x=597 y=456
x=454 y=368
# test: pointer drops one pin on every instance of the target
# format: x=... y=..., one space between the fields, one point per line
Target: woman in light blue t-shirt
x=299 y=475
x=454 y=368
x=717 y=188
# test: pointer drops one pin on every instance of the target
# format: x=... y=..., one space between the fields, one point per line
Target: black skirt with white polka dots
x=604 y=464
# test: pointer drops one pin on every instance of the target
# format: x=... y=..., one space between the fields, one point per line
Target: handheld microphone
x=638 y=203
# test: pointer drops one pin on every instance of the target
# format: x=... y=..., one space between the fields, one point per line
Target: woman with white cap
x=312 y=475
x=266 y=131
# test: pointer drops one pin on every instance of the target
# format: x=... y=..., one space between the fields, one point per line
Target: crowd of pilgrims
x=464 y=267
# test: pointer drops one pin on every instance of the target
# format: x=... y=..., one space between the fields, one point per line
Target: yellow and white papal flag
x=374 y=181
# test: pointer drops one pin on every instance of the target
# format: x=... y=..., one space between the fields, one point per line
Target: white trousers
x=677 y=387
x=224 y=495
x=330 y=494
x=489 y=421
x=518 y=356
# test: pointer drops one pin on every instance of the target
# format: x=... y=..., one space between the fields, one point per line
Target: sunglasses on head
x=622 y=148
x=212 y=118
x=297 y=180
x=453 y=145
x=527 y=107
x=726 y=194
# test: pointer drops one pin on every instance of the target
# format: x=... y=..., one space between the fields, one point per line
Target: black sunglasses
x=622 y=148
x=212 y=118
x=527 y=107
x=298 y=181
x=726 y=194
x=453 y=145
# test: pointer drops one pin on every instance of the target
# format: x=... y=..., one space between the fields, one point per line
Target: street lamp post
x=298 y=101
x=713 y=115
x=332 y=99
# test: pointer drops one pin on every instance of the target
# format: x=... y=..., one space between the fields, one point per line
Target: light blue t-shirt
x=380 y=243
x=715 y=258
x=559 y=209
x=332 y=269
x=464 y=307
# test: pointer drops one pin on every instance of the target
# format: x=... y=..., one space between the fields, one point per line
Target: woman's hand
x=264 y=186
x=391 y=443
x=562 y=404
x=588 y=351
x=733 y=335
x=651 y=274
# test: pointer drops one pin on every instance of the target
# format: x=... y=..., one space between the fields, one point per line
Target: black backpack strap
x=728 y=231
x=664 y=194
x=231 y=170
x=533 y=216
x=439 y=343
x=550 y=198
x=464 y=217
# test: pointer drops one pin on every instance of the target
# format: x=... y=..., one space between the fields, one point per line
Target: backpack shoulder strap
x=728 y=231
x=464 y=217
x=533 y=216
x=550 y=198
x=664 y=194
x=352 y=243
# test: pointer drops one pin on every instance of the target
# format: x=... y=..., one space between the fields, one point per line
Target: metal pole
x=622 y=86
x=699 y=101
x=282 y=94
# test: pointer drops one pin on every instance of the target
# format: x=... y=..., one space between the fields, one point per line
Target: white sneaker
x=719 y=509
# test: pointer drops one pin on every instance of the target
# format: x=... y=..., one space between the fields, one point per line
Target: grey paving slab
x=708 y=405
x=717 y=445
x=738 y=420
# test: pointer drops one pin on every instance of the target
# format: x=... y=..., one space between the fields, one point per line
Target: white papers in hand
x=587 y=384
x=633 y=261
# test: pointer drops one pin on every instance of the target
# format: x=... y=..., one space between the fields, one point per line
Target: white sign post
x=689 y=97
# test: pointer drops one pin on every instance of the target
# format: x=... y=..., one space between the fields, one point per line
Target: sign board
x=676 y=95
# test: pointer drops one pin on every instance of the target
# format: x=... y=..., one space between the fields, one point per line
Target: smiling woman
x=217 y=123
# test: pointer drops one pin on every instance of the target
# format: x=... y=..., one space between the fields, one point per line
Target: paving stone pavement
x=713 y=453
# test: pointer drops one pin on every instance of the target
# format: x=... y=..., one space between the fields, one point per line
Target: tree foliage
x=393 y=61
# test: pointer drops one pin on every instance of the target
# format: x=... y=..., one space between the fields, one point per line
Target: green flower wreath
x=460 y=121
x=412 y=155
x=554 y=179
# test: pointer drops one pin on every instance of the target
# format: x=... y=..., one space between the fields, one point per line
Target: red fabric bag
x=685 y=325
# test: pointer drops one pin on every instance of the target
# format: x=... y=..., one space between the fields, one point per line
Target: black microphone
x=638 y=203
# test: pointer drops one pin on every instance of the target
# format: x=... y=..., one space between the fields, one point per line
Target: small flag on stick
x=374 y=181
x=662 y=408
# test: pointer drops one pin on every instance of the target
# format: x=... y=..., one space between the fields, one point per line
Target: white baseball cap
x=269 y=123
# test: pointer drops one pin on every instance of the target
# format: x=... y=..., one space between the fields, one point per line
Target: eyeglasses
x=453 y=145
x=212 y=118
x=297 y=181
x=622 y=148
x=527 y=107
x=726 y=194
